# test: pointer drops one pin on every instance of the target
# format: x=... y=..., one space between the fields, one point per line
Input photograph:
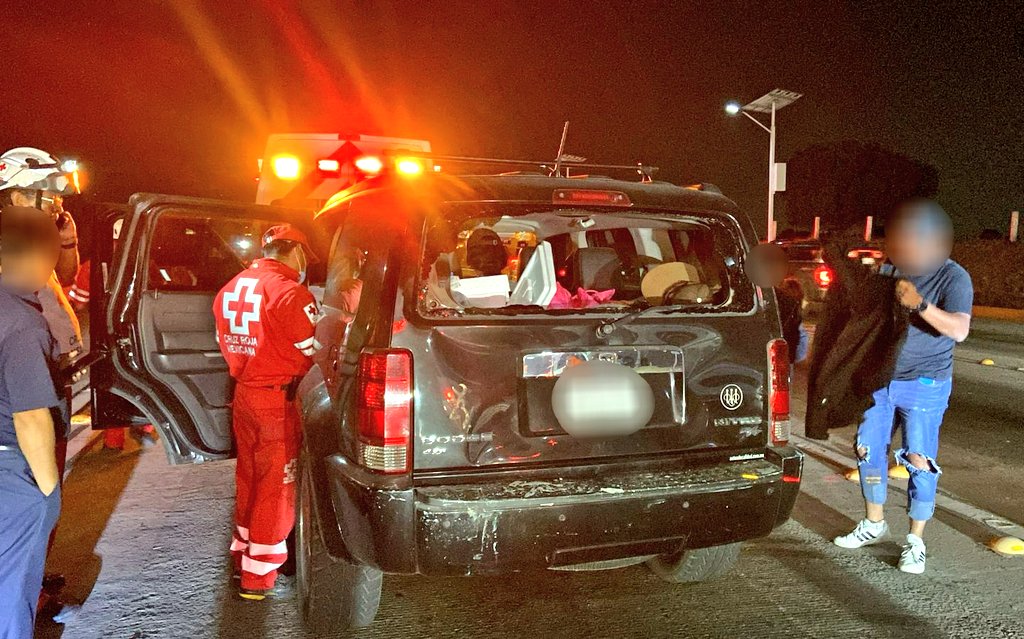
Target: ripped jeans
x=919 y=406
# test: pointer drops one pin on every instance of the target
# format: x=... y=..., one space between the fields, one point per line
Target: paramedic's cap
x=24 y=230
x=289 y=233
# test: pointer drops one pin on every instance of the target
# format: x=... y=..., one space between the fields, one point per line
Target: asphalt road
x=143 y=547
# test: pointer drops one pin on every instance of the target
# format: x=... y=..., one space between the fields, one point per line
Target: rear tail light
x=329 y=166
x=823 y=276
x=778 y=392
x=385 y=410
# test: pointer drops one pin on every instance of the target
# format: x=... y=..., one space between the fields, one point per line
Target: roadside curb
x=1004 y=314
x=994 y=524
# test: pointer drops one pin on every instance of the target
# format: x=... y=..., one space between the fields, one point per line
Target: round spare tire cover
x=602 y=399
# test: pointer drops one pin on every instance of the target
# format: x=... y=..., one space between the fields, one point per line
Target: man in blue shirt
x=29 y=248
x=939 y=295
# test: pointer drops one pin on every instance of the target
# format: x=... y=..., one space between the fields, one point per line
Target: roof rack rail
x=644 y=170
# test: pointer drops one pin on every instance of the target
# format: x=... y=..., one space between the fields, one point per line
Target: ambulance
x=303 y=170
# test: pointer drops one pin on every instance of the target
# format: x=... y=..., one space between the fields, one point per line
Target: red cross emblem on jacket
x=265 y=323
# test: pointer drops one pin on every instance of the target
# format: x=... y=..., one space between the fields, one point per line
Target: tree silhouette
x=845 y=181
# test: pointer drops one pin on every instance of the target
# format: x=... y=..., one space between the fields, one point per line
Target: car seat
x=596 y=269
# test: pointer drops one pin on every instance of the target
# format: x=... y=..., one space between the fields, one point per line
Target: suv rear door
x=486 y=375
x=159 y=351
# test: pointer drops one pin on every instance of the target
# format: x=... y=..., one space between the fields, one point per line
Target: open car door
x=156 y=343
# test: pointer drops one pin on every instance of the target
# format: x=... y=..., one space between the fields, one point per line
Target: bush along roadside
x=997 y=270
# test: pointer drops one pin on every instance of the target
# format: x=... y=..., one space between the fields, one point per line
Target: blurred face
x=915 y=244
x=29 y=271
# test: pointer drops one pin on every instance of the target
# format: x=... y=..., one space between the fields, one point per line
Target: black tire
x=699 y=564
x=333 y=595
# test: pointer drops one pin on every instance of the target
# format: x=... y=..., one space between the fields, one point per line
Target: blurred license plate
x=661 y=367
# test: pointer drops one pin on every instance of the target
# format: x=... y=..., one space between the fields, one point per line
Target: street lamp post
x=768 y=103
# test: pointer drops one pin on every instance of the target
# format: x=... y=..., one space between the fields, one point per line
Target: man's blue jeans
x=918 y=406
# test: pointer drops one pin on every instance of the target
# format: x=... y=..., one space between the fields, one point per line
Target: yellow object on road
x=987 y=362
x=899 y=472
x=1007 y=546
x=896 y=472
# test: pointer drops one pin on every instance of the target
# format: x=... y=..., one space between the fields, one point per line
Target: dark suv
x=518 y=372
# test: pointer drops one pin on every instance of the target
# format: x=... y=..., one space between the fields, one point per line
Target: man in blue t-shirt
x=29 y=486
x=939 y=295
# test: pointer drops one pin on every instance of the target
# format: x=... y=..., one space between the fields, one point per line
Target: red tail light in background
x=778 y=392
x=823 y=276
x=385 y=410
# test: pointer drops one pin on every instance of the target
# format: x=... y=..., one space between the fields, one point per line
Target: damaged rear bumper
x=579 y=516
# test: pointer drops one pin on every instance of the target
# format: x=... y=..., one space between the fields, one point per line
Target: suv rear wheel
x=333 y=594
x=699 y=564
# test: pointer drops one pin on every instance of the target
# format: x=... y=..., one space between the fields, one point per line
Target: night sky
x=179 y=96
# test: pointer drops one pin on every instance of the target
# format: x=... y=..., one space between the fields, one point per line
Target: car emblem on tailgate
x=731 y=396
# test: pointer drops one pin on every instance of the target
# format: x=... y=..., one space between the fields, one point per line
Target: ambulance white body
x=303 y=170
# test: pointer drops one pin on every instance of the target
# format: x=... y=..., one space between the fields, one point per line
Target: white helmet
x=32 y=169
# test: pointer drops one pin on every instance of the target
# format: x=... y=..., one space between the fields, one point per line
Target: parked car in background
x=808 y=267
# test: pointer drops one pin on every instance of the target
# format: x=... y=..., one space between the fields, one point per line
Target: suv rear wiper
x=607 y=327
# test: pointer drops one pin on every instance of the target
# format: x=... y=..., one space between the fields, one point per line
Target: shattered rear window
x=508 y=260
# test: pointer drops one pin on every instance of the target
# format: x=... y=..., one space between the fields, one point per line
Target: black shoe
x=53 y=609
x=282 y=588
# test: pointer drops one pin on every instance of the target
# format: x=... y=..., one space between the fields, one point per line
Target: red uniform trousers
x=268 y=435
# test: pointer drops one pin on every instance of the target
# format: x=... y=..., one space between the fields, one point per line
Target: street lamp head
x=732 y=107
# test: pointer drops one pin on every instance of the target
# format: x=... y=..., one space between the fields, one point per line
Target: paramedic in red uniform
x=265 y=320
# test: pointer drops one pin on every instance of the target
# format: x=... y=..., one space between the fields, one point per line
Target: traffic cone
x=899 y=471
x=1007 y=546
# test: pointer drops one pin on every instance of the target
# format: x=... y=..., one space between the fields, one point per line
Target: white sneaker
x=912 y=559
x=866 y=533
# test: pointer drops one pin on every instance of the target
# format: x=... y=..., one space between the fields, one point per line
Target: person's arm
x=954 y=324
x=68 y=261
x=35 y=432
x=27 y=385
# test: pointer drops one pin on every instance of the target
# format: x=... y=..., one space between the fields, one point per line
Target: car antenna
x=561 y=149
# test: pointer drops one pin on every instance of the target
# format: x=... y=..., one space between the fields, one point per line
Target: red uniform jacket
x=265 y=322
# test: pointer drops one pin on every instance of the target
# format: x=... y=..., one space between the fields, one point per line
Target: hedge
x=997 y=270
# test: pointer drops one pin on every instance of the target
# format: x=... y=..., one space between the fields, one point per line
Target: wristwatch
x=922 y=306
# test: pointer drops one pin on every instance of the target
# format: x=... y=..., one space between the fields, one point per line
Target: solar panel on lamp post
x=768 y=103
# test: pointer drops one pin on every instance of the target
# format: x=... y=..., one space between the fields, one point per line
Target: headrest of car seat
x=485 y=252
x=597 y=269
x=663 y=276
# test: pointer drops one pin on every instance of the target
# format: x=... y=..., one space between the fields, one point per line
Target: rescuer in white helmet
x=33 y=178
